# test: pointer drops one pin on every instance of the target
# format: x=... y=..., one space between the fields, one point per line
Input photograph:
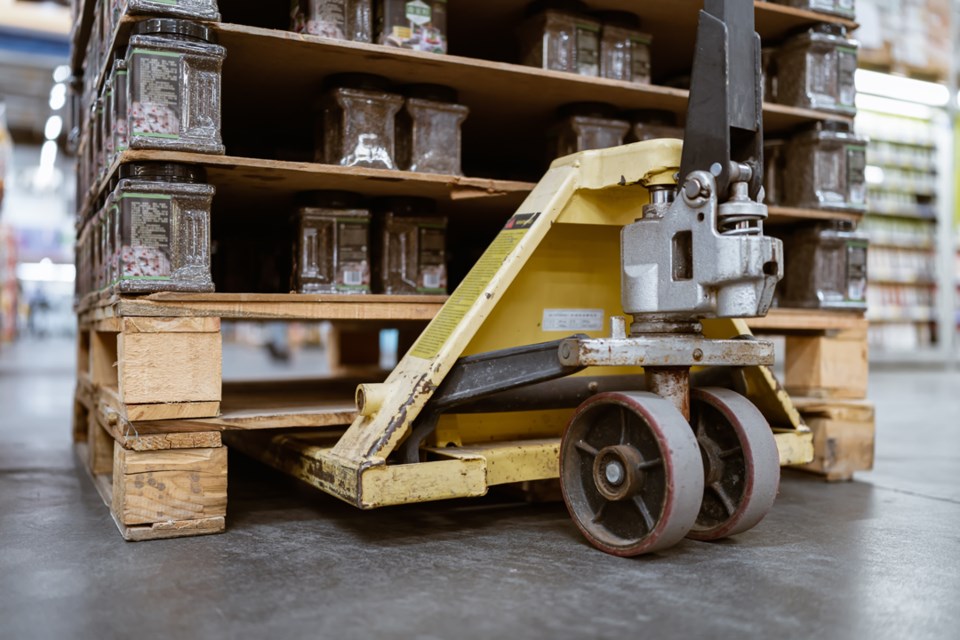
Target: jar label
x=856 y=170
x=154 y=109
x=353 y=265
x=432 y=260
x=145 y=236
x=418 y=12
x=588 y=46
x=857 y=272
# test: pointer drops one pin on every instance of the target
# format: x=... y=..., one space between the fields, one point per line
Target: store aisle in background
x=873 y=558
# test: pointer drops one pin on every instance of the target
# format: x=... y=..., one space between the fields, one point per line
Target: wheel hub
x=616 y=471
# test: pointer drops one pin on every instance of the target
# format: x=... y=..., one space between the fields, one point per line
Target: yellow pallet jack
x=530 y=371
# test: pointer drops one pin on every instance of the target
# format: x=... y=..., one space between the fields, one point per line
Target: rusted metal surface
x=672 y=384
x=665 y=351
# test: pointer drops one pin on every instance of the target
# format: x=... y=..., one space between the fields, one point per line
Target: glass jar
x=357 y=123
x=174 y=87
x=583 y=126
x=559 y=35
x=652 y=124
x=332 y=252
x=428 y=130
x=773 y=171
x=161 y=228
x=842 y=8
x=818 y=67
x=106 y=122
x=190 y=9
x=118 y=107
x=338 y=19
x=624 y=49
x=825 y=267
x=411 y=246
x=420 y=25
x=827 y=163
x=96 y=138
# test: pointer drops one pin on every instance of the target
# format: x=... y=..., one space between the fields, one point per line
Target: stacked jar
x=173 y=74
x=362 y=122
x=332 y=252
x=842 y=8
x=420 y=25
x=562 y=36
x=818 y=68
x=582 y=126
x=826 y=267
x=826 y=165
x=410 y=246
x=337 y=19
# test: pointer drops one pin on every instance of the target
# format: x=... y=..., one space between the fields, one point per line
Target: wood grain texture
x=161 y=486
x=781 y=320
x=844 y=435
x=170 y=325
x=827 y=366
x=169 y=367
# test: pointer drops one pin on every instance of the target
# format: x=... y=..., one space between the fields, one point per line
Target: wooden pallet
x=156 y=486
x=843 y=436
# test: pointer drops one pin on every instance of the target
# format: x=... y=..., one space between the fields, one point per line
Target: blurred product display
x=815 y=70
x=583 y=126
x=825 y=267
x=420 y=25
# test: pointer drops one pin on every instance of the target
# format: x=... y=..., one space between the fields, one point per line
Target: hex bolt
x=613 y=472
x=697 y=355
x=564 y=351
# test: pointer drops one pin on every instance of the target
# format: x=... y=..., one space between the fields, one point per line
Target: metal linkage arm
x=725 y=113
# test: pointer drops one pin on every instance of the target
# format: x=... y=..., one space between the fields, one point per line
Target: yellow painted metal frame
x=560 y=251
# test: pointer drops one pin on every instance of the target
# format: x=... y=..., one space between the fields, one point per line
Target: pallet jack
x=516 y=379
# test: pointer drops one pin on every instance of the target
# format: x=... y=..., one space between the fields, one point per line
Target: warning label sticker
x=572 y=320
x=473 y=286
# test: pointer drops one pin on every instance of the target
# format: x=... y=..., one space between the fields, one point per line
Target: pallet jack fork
x=531 y=372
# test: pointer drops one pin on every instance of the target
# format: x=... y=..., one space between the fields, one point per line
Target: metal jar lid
x=362 y=81
x=621 y=19
x=163 y=172
x=180 y=29
x=329 y=199
x=406 y=206
x=652 y=116
x=590 y=109
x=426 y=91
x=574 y=7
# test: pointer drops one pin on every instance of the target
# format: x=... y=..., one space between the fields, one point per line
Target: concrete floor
x=875 y=558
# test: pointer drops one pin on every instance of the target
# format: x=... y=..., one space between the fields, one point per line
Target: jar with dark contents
x=337 y=19
x=825 y=267
x=118 y=107
x=560 y=35
x=190 y=9
x=420 y=25
x=773 y=170
x=357 y=122
x=428 y=130
x=96 y=137
x=162 y=228
x=583 y=126
x=842 y=8
x=106 y=122
x=624 y=49
x=826 y=165
x=652 y=124
x=332 y=252
x=815 y=70
x=174 y=86
x=410 y=240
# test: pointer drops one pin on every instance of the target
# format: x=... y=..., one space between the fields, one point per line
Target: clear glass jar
x=118 y=107
x=161 y=222
x=333 y=244
x=357 y=122
x=842 y=8
x=428 y=130
x=818 y=67
x=190 y=9
x=174 y=87
x=411 y=246
x=624 y=49
x=583 y=126
x=559 y=35
x=652 y=124
x=825 y=267
x=420 y=25
x=338 y=19
x=827 y=164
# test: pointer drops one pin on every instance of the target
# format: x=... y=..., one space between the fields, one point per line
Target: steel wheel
x=631 y=473
x=741 y=464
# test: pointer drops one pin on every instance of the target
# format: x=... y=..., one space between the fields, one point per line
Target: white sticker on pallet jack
x=572 y=320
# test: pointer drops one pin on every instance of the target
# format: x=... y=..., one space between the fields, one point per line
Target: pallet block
x=169 y=488
x=827 y=366
x=158 y=368
x=843 y=436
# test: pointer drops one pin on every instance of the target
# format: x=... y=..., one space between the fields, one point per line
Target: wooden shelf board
x=271 y=306
x=790 y=320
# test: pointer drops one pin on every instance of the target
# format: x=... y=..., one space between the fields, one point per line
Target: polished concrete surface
x=874 y=558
